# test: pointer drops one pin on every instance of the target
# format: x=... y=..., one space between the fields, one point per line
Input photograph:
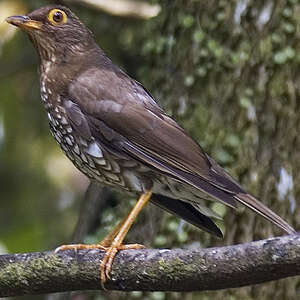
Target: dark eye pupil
x=57 y=17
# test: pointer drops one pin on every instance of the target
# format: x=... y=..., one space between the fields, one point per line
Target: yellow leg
x=113 y=241
x=110 y=237
x=116 y=244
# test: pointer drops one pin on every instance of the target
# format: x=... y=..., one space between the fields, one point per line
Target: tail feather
x=187 y=212
x=264 y=211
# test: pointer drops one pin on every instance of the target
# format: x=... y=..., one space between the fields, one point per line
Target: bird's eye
x=57 y=17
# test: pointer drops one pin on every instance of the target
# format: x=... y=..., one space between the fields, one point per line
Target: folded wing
x=150 y=136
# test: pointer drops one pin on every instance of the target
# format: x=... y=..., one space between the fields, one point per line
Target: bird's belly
x=96 y=162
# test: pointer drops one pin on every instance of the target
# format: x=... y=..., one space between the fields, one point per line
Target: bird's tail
x=188 y=212
x=264 y=211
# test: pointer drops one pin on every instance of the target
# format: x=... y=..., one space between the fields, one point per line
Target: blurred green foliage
x=228 y=71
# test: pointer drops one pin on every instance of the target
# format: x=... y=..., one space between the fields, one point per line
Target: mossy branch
x=152 y=270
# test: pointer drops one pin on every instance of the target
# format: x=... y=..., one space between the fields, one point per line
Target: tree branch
x=152 y=270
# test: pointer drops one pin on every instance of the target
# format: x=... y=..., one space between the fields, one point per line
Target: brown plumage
x=114 y=131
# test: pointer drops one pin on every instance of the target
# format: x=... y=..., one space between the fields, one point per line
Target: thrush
x=114 y=131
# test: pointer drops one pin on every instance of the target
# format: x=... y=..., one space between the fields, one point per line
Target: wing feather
x=132 y=122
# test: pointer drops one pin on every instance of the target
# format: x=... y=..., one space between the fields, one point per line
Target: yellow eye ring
x=57 y=17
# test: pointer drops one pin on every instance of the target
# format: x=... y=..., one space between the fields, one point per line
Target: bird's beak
x=24 y=22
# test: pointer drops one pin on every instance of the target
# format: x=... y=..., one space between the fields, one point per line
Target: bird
x=114 y=131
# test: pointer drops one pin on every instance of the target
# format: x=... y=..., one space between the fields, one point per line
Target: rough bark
x=228 y=71
x=152 y=270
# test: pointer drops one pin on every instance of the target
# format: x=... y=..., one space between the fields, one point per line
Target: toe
x=131 y=246
x=79 y=247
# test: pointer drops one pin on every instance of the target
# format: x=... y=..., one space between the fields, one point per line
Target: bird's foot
x=107 y=262
x=110 y=253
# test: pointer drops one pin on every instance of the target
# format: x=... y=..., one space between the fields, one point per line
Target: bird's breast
x=87 y=153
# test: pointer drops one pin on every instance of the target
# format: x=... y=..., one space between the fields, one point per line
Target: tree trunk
x=228 y=71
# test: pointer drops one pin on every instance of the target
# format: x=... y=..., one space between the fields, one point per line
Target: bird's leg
x=107 y=241
x=112 y=243
x=116 y=244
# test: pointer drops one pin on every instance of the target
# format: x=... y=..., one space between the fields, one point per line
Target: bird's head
x=56 y=32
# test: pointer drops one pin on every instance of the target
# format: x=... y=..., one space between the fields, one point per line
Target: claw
x=107 y=262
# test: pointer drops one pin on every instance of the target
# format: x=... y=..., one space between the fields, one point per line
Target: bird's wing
x=147 y=134
x=156 y=140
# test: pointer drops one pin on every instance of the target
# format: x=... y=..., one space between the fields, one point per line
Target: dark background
x=228 y=71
